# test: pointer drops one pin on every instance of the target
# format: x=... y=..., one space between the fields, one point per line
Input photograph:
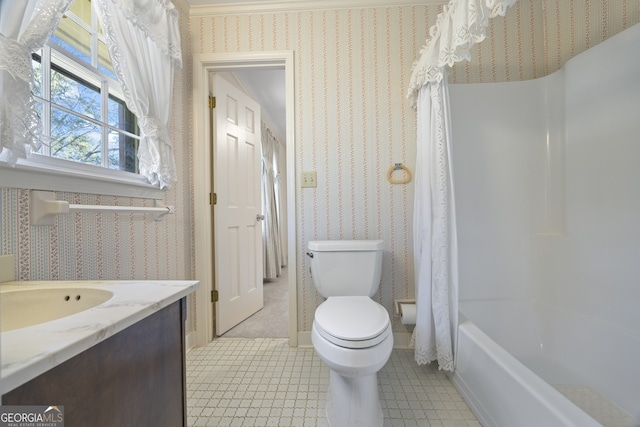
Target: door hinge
x=214 y=296
x=212 y=102
x=213 y=198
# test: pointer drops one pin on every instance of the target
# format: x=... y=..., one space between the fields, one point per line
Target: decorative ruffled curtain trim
x=158 y=20
x=143 y=38
x=26 y=26
x=462 y=24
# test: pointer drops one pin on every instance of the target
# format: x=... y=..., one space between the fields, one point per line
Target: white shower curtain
x=434 y=225
x=461 y=24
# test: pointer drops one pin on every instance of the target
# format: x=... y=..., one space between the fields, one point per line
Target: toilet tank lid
x=346 y=245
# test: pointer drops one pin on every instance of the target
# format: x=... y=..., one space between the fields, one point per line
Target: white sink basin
x=28 y=307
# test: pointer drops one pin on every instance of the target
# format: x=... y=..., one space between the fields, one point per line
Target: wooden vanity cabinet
x=136 y=377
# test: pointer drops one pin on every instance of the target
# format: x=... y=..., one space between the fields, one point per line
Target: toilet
x=351 y=333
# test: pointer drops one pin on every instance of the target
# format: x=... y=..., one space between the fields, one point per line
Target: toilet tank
x=346 y=267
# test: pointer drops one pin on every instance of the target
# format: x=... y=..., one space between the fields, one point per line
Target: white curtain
x=279 y=186
x=271 y=241
x=144 y=43
x=461 y=24
x=25 y=26
x=434 y=224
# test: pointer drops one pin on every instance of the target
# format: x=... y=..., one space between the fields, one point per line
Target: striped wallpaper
x=351 y=70
x=352 y=122
x=538 y=36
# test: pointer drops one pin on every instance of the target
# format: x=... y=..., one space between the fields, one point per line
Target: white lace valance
x=158 y=20
x=462 y=24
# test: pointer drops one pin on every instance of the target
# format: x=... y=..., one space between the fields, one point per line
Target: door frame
x=203 y=65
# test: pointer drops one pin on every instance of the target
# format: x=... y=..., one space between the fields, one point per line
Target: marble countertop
x=28 y=352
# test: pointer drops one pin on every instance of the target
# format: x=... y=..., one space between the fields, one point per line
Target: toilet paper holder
x=398 y=307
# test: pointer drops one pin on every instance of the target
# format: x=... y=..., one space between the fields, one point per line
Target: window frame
x=54 y=58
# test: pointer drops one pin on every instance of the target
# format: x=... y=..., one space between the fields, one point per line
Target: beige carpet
x=273 y=320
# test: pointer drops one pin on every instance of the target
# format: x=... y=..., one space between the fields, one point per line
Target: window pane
x=123 y=151
x=38 y=106
x=121 y=117
x=74 y=138
x=74 y=39
x=75 y=95
x=37 y=76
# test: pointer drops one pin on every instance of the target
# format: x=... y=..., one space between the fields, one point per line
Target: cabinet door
x=134 y=378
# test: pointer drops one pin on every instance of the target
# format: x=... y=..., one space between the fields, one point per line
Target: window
x=79 y=99
x=92 y=137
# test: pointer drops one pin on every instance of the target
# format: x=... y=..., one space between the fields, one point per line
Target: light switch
x=309 y=179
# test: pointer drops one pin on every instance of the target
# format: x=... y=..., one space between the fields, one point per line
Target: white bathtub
x=515 y=356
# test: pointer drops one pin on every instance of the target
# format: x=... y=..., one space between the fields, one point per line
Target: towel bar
x=45 y=208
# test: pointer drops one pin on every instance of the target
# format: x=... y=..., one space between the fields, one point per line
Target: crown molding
x=249 y=7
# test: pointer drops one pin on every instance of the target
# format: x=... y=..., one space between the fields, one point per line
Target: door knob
x=259 y=217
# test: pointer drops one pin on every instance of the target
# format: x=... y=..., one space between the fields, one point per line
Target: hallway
x=273 y=320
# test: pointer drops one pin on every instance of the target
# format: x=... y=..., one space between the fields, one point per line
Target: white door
x=237 y=211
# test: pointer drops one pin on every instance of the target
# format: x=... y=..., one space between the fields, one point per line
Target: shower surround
x=546 y=175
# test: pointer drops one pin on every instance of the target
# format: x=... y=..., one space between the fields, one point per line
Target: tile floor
x=264 y=382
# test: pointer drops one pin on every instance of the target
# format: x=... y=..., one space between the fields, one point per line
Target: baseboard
x=7 y=268
x=401 y=340
x=304 y=339
x=190 y=341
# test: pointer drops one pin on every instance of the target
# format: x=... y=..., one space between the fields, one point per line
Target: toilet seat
x=352 y=321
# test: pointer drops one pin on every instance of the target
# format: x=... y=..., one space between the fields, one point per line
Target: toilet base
x=353 y=401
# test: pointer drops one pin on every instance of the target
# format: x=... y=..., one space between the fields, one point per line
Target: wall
x=352 y=67
x=85 y=246
x=353 y=122
x=351 y=70
x=595 y=269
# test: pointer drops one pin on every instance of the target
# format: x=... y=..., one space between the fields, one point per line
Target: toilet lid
x=352 y=321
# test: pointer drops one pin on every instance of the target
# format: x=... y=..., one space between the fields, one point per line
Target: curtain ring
x=399 y=166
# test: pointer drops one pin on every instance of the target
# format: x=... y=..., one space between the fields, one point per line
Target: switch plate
x=309 y=179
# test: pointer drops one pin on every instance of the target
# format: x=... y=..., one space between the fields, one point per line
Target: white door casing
x=203 y=66
x=238 y=209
